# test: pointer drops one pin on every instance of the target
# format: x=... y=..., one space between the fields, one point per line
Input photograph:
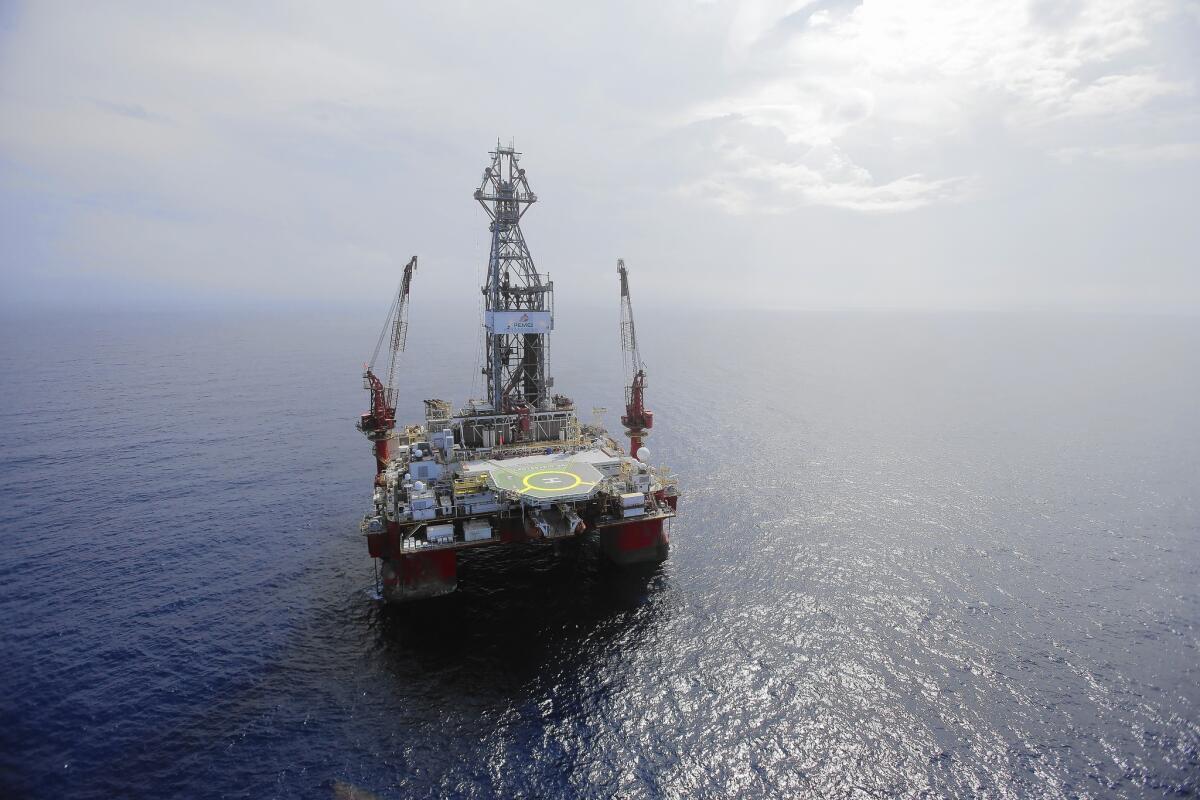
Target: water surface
x=919 y=555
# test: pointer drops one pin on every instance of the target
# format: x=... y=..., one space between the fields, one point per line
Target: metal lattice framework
x=516 y=362
x=629 y=347
x=395 y=330
x=638 y=420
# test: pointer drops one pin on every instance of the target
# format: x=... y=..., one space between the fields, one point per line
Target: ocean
x=918 y=555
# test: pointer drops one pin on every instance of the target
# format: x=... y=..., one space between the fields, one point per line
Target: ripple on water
x=919 y=556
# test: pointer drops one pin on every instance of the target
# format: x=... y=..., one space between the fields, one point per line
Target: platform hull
x=636 y=542
x=419 y=576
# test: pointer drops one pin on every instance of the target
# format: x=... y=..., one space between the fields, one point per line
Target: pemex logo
x=522 y=323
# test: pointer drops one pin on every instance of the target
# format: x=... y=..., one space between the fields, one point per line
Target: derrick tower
x=519 y=302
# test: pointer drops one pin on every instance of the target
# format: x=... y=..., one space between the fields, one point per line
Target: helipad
x=557 y=480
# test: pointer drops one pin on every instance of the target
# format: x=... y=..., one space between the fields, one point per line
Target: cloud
x=749 y=183
x=1132 y=153
x=843 y=80
x=217 y=148
x=1116 y=95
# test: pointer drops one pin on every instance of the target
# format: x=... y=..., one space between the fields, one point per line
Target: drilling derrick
x=518 y=301
x=637 y=419
x=380 y=421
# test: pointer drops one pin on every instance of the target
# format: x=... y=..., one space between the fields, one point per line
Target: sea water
x=918 y=554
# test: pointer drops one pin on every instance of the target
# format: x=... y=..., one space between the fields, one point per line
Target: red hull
x=636 y=542
x=420 y=575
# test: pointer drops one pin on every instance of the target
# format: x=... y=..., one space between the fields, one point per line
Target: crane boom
x=637 y=419
x=380 y=421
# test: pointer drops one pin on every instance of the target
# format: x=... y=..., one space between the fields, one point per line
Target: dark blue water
x=919 y=555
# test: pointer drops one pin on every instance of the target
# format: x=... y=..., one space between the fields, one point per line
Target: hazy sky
x=911 y=153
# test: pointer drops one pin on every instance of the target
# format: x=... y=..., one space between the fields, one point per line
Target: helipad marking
x=578 y=481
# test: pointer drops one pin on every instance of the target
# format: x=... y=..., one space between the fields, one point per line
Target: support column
x=636 y=542
x=419 y=575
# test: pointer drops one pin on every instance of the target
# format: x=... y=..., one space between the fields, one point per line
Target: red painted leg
x=419 y=575
x=636 y=542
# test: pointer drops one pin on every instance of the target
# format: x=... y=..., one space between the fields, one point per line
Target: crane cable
x=387 y=323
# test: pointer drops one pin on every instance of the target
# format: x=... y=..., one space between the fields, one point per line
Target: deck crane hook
x=637 y=419
x=380 y=421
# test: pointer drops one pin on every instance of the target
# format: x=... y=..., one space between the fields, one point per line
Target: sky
x=907 y=154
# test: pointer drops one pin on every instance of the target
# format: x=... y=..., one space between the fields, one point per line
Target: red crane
x=637 y=419
x=380 y=421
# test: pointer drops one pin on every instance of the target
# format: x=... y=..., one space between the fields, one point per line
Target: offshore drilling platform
x=516 y=466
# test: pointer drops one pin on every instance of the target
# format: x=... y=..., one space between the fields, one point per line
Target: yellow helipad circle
x=530 y=487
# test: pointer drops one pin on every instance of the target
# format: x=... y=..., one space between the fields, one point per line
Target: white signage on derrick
x=519 y=321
